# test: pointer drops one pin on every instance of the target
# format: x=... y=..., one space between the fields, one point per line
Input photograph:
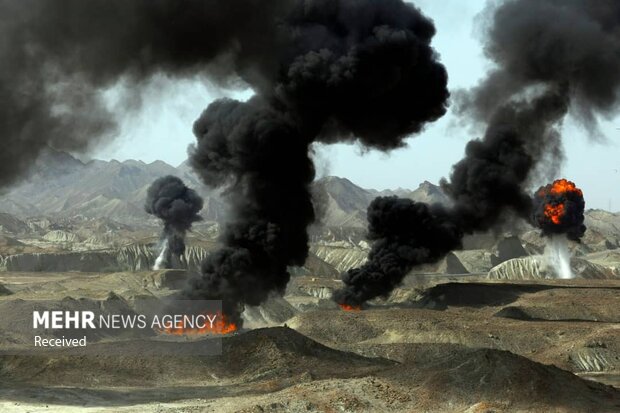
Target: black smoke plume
x=57 y=56
x=177 y=206
x=404 y=234
x=558 y=209
x=322 y=70
x=551 y=57
x=347 y=70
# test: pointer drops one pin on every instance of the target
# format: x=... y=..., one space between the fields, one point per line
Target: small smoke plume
x=551 y=57
x=556 y=258
x=164 y=256
x=177 y=206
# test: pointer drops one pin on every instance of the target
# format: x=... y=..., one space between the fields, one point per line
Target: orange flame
x=562 y=186
x=554 y=212
x=221 y=325
x=347 y=307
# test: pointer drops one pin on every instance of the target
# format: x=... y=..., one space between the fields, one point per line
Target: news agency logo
x=87 y=319
x=63 y=319
x=144 y=326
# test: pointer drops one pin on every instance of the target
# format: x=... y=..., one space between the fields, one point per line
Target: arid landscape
x=378 y=205
x=486 y=329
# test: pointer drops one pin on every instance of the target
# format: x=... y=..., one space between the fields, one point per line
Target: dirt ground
x=439 y=345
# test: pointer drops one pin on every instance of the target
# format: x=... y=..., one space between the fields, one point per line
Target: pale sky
x=163 y=127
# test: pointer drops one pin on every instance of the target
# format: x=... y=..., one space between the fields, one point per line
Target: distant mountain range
x=63 y=186
x=107 y=196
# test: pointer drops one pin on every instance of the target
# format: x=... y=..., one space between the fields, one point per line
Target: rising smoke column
x=323 y=71
x=558 y=212
x=260 y=154
x=350 y=70
x=484 y=186
x=177 y=206
x=550 y=58
x=404 y=234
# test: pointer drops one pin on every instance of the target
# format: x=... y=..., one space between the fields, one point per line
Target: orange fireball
x=562 y=186
x=556 y=195
x=554 y=212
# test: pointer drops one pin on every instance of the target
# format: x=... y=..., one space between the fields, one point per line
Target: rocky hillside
x=61 y=186
x=345 y=203
x=90 y=212
x=134 y=257
x=534 y=267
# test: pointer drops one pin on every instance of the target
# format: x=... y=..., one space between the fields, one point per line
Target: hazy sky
x=162 y=130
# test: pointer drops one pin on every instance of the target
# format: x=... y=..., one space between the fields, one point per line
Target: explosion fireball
x=558 y=209
x=558 y=212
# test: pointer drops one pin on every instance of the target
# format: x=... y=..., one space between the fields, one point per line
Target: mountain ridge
x=60 y=185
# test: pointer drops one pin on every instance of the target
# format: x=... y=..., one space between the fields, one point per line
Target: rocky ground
x=452 y=343
x=486 y=329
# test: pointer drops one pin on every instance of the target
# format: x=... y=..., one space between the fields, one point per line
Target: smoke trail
x=484 y=186
x=550 y=57
x=557 y=256
x=163 y=257
x=177 y=206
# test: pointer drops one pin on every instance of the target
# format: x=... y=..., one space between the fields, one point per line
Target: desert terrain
x=486 y=329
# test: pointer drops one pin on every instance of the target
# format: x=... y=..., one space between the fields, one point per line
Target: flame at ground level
x=220 y=325
x=347 y=307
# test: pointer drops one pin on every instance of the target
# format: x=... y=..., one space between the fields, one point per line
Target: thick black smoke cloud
x=57 y=56
x=404 y=233
x=486 y=185
x=542 y=46
x=177 y=206
x=362 y=69
x=558 y=209
x=350 y=70
x=551 y=57
x=492 y=179
x=322 y=70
